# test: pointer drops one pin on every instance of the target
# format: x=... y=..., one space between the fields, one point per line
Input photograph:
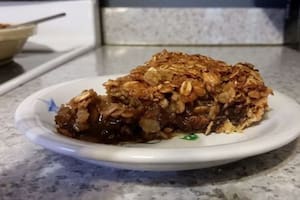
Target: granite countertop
x=27 y=171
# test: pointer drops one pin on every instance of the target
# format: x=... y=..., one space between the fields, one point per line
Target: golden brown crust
x=179 y=92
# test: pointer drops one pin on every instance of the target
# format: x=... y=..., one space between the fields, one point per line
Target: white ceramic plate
x=35 y=118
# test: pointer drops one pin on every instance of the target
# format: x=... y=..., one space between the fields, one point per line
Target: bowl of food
x=12 y=39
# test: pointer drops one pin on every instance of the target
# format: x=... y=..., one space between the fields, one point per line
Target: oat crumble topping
x=172 y=92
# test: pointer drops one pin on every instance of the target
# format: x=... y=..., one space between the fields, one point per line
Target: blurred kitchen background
x=163 y=22
x=200 y=22
x=109 y=23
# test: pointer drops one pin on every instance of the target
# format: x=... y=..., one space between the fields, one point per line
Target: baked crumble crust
x=172 y=92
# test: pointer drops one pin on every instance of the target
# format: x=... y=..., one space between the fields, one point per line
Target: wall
x=193 y=23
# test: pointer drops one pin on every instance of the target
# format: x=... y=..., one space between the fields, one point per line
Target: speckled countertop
x=28 y=171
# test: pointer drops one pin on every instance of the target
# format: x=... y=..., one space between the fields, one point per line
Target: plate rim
x=87 y=150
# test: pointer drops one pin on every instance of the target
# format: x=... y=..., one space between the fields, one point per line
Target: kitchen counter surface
x=27 y=171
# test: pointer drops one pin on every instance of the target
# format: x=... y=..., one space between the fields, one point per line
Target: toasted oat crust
x=172 y=92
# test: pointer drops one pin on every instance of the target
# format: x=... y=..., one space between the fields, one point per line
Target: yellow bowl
x=12 y=40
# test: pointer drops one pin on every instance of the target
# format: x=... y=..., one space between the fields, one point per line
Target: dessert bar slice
x=171 y=93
